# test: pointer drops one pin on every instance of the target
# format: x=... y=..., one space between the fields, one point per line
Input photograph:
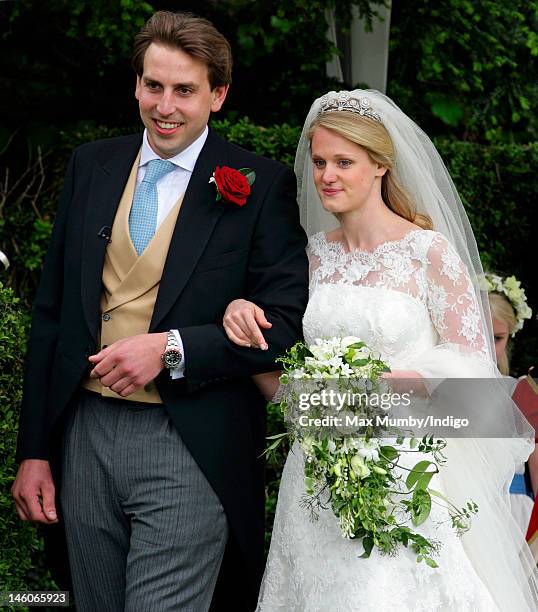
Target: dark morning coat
x=219 y=252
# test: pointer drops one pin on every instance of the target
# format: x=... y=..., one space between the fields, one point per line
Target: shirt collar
x=186 y=159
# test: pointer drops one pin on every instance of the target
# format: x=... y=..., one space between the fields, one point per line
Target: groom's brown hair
x=194 y=35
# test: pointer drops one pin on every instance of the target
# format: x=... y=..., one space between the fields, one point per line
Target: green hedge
x=21 y=549
x=497 y=184
x=459 y=67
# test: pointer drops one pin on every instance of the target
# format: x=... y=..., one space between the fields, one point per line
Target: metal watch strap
x=172 y=356
x=171 y=342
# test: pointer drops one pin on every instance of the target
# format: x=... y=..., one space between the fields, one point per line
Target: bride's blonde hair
x=375 y=140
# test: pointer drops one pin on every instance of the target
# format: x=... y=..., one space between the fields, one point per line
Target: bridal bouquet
x=335 y=403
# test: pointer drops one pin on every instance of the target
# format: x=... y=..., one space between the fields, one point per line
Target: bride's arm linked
x=243 y=323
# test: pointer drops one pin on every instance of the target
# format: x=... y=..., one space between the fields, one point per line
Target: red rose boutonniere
x=233 y=185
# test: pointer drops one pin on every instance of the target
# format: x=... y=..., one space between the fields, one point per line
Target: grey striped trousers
x=145 y=531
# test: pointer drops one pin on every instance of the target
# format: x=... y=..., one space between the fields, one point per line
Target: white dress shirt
x=171 y=185
x=169 y=188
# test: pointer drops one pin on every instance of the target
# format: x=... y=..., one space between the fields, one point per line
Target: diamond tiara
x=344 y=102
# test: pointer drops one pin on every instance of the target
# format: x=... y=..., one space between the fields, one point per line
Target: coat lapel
x=195 y=223
x=109 y=176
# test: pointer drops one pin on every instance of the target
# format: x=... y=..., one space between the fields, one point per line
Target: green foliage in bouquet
x=361 y=471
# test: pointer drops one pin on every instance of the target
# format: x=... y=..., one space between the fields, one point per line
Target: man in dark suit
x=150 y=455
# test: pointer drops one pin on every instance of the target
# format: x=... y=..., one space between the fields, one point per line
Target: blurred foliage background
x=464 y=67
x=464 y=70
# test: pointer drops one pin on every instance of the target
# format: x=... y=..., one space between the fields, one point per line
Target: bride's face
x=345 y=176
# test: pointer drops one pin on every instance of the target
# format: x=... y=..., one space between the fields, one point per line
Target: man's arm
x=277 y=283
x=32 y=441
x=33 y=489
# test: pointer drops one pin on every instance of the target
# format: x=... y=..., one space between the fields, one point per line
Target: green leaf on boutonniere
x=250 y=174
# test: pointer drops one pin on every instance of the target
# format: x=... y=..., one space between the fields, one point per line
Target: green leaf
x=250 y=175
x=388 y=452
x=525 y=104
x=278 y=439
x=280 y=435
x=448 y=110
x=439 y=495
x=424 y=481
x=368 y=544
x=417 y=472
x=284 y=25
x=422 y=503
x=430 y=562
x=357 y=345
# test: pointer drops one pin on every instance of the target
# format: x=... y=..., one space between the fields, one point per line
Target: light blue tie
x=143 y=215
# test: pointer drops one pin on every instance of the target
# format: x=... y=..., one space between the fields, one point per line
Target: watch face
x=172 y=358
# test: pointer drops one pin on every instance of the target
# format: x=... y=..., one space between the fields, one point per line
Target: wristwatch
x=172 y=355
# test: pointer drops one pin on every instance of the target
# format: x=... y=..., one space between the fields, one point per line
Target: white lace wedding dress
x=406 y=300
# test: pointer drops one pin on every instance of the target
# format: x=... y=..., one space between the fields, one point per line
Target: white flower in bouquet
x=298 y=373
x=370 y=454
x=373 y=497
x=359 y=466
x=313 y=363
x=335 y=362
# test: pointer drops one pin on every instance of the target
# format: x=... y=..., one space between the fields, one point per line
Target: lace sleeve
x=452 y=301
x=314 y=258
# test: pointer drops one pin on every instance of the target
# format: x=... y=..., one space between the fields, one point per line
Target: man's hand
x=242 y=321
x=33 y=491
x=130 y=363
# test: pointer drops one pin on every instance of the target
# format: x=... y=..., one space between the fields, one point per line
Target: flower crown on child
x=511 y=288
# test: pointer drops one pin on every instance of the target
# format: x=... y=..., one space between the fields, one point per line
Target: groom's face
x=175 y=99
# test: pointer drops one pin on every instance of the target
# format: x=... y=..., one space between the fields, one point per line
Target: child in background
x=509 y=309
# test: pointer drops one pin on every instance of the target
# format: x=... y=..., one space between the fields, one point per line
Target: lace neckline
x=384 y=246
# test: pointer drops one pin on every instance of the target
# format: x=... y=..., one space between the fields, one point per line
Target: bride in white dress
x=400 y=271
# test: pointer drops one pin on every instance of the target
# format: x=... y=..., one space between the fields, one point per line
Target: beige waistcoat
x=130 y=284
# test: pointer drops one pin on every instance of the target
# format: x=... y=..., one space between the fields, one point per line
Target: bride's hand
x=242 y=321
x=405 y=381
